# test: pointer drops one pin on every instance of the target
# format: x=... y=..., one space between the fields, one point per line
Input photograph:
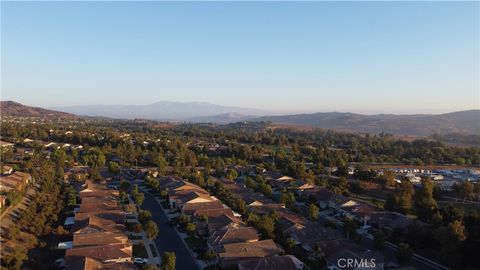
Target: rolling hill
x=460 y=123
x=463 y=122
x=15 y=109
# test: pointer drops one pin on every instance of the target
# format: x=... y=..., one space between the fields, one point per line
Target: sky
x=364 y=57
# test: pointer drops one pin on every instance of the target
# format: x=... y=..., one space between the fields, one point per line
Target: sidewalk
x=151 y=260
x=200 y=264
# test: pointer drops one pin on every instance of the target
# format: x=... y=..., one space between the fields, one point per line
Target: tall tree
x=425 y=204
x=313 y=211
x=168 y=261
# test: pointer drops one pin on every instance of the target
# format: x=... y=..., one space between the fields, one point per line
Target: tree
x=144 y=216
x=113 y=167
x=364 y=173
x=139 y=198
x=339 y=186
x=94 y=158
x=450 y=236
x=290 y=243
x=231 y=174
x=349 y=227
x=379 y=239
x=265 y=188
x=190 y=228
x=161 y=163
x=124 y=185
x=183 y=219
x=152 y=183
x=404 y=253
x=288 y=198
x=425 y=204
x=405 y=193
x=317 y=253
x=250 y=183
x=168 y=261
x=313 y=211
x=58 y=157
x=387 y=178
x=151 y=229
x=401 y=200
x=208 y=255
x=464 y=189
x=265 y=224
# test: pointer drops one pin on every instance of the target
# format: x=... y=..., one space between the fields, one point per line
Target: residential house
x=360 y=212
x=340 y=202
x=16 y=181
x=289 y=221
x=77 y=173
x=99 y=238
x=287 y=262
x=212 y=224
x=252 y=198
x=232 y=234
x=114 y=253
x=339 y=253
x=7 y=169
x=4 y=146
x=87 y=263
x=301 y=187
x=179 y=199
x=207 y=220
x=309 y=235
x=202 y=206
x=87 y=223
x=268 y=208
x=230 y=255
x=321 y=194
x=99 y=234
x=280 y=181
x=392 y=220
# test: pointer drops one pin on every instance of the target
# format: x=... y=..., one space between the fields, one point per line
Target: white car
x=140 y=261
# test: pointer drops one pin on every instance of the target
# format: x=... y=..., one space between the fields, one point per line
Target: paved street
x=168 y=239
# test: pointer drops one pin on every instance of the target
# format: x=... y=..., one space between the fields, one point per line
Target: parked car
x=140 y=261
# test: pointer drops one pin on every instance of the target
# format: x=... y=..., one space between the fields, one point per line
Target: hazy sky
x=392 y=57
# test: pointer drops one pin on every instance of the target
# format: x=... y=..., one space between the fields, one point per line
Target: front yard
x=139 y=251
x=195 y=243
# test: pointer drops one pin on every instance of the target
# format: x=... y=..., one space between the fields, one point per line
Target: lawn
x=194 y=243
x=368 y=200
x=139 y=251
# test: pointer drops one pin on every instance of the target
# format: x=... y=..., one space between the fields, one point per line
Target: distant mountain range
x=163 y=110
x=12 y=108
x=223 y=118
x=462 y=122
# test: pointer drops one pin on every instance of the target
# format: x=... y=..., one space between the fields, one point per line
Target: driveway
x=168 y=239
